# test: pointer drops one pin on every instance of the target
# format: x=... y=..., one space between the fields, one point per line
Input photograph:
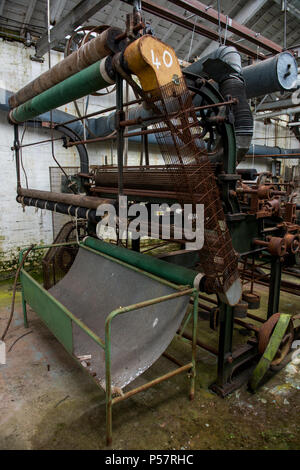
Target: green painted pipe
x=83 y=83
x=172 y=272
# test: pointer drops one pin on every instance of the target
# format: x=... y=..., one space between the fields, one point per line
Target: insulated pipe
x=60 y=208
x=262 y=116
x=169 y=271
x=89 y=80
x=224 y=65
x=279 y=73
x=265 y=150
x=94 y=50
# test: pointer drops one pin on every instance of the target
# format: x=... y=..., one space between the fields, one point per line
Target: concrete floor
x=48 y=402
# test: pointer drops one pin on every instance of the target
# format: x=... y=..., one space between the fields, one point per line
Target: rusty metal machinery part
x=265 y=333
x=58 y=260
x=158 y=70
x=240 y=309
x=252 y=298
x=292 y=243
x=275 y=245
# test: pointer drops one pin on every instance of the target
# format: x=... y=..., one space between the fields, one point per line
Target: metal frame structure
x=59 y=320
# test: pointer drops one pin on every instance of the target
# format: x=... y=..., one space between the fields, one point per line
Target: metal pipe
x=278 y=73
x=60 y=208
x=91 y=52
x=89 y=202
x=81 y=84
x=147 y=385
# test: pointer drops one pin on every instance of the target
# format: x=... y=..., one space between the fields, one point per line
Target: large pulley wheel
x=65 y=257
x=274 y=342
x=264 y=336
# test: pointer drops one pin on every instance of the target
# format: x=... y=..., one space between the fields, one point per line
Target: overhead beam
x=169 y=32
x=2 y=4
x=166 y=14
x=28 y=16
x=76 y=17
x=57 y=7
x=242 y=17
x=209 y=14
x=185 y=37
x=112 y=16
x=202 y=40
x=290 y=8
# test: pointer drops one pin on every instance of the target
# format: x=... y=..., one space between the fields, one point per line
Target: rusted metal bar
x=138 y=192
x=132 y=122
x=144 y=387
x=173 y=359
x=255 y=317
x=179 y=20
x=98 y=113
x=249 y=326
x=37 y=143
x=88 y=202
x=207 y=347
x=209 y=14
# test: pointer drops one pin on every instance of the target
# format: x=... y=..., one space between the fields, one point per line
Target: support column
x=274 y=288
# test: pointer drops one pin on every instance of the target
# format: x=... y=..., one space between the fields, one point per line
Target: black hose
x=12 y=309
x=243 y=121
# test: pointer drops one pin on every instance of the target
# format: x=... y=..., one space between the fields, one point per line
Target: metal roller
x=93 y=78
x=94 y=50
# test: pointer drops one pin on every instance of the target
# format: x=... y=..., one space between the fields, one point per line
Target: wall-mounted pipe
x=257 y=149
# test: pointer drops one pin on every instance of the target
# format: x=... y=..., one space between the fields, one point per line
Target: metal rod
x=153 y=382
x=207 y=347
x=97 y=113
x=17 y=154
x=38 y=142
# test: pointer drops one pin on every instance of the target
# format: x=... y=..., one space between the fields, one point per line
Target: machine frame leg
x=274 y=288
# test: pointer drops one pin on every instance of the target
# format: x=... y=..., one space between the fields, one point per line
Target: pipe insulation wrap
x=60 y=208
x=224 y=65
x=279 y=73
x=81 y=84
x=243 y=116
x=94 y=50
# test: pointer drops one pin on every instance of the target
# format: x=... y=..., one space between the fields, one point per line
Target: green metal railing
x=49 y=308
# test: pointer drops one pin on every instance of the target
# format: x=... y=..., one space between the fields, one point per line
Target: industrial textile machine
x=116 y=310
